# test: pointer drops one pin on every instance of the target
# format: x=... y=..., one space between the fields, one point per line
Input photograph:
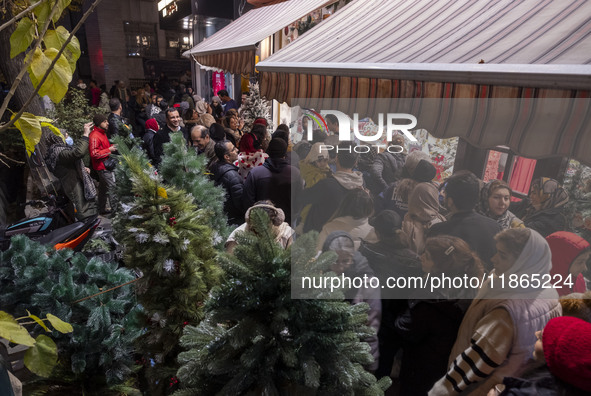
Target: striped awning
x=233 y=48
x=449 y=49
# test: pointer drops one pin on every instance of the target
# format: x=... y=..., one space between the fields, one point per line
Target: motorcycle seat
x=61 y=234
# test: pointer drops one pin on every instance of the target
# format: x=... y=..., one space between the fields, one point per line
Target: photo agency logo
x=391 y=124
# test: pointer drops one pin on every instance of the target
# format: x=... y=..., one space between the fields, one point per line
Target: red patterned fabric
x=523 y=171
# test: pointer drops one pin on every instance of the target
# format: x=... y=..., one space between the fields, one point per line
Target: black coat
x=226 y=175
x=428 y=330
x=149 y=140
x=546 y=221
x=388 y=258
x=477 y=230
x=325 y=197
x=539 y=381
x=163 y=136
x=385 y=170
x=118 y=126
x=276 y=180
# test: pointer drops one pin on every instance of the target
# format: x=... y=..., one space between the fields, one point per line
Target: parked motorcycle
x=53 y=227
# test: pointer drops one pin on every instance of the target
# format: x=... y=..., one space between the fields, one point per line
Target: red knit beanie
x=261 y=121
x=567 y=350
x=152 y=124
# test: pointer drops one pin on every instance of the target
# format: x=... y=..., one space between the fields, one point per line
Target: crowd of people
x=384 y=216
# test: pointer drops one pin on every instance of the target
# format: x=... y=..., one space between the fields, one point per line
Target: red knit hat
x=567 y=350
x=152 y=124
x=261 y=121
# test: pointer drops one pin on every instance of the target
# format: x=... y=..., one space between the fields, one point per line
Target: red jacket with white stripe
x=98 y=147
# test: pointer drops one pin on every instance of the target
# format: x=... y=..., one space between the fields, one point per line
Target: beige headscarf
x=423 y=212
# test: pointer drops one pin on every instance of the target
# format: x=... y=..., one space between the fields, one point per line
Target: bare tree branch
x=20 y=15
x=24 y=107
x=20 y=75
x=7 y=158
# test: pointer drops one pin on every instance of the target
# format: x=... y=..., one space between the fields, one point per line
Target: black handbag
x=110 y=163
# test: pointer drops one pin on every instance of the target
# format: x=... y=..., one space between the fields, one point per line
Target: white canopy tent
x=526 y=50
x=233 y=48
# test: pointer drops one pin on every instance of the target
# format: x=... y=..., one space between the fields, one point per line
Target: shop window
x=141 y=39
x=180 y=41
x=518 y=171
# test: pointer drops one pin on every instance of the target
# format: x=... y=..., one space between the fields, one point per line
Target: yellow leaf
x=43 y=10
x=53 y=129
x=56 y=39
x=42 y=358
x=44 y=119
x=56 y=84
x=22 y=37
x=14 y=332
x=59 y=325
x=162 y=192
x=39 y=321
x=62 y=4
x=30 y=129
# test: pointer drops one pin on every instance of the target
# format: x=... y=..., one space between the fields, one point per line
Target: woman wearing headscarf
x=351 y=264
x=204 y=112
x=423 y=212
x=496 y=337
x=545 y=213
x=417 y=169
x=428 y=327
x=313 y=169
x=217 y=109
x=65 y=162
x=250 y=155
x=495 y=197
x=352 y=216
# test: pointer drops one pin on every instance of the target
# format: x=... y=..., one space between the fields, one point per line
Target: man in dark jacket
x=387 y=166
x=228 y=102
x=326 y=195
x=276 y=180
x=225 y=173
x=173 y=124
x=118 y=126
x=461 y=196
x=283 y=132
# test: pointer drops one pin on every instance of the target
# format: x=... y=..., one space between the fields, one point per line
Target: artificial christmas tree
x=184 y=169
x=169 y=241
x=97 y=357
x=578 y=208
x=257 y=340
x=255 y=107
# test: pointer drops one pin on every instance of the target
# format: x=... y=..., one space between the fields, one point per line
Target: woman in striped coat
x=497 y=335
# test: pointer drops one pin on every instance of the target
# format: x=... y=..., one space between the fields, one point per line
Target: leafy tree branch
x=20 y=15
x=50 y=68
x=28 y=61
